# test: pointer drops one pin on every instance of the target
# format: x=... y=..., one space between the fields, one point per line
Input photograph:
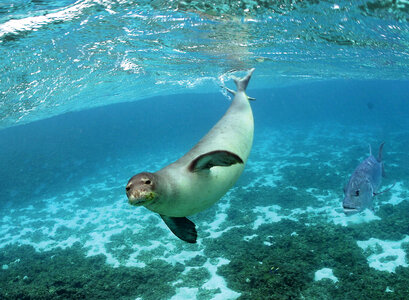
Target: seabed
x=278 y=234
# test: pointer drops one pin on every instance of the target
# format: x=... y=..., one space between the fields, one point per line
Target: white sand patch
x=134 y=260
x=267 y=180
x=325 y=273
x=312 y=190
x=220 y=218
x=268 y=215
x=256 y=166
x=397 y=192
x=249 y=237
x=183 y=293
x=97 y=243
x=267 y=243
x=178 y=256
x=215 y=230
x=339 y=217
x=214 y=283
x=218 y=282
x=390 y=255
x=215 y=235
x=304 y=155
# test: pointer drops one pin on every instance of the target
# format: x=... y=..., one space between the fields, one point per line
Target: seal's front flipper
x=214 y=158
x=182 y=227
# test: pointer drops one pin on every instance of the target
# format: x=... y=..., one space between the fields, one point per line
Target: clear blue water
x=92 y=92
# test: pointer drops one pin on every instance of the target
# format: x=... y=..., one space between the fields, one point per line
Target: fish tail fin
x=379 y=159
x=242 y=83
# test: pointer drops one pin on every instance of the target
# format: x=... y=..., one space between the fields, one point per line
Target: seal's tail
x=242 y=83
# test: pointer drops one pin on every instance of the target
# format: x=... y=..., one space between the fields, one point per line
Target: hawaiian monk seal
x=202 y=176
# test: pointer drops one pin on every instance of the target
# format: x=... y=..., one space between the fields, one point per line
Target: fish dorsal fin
x=182 y=227
x=220 y=158
x=379 y=159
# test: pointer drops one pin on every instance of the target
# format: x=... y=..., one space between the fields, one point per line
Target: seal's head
x=141 y=189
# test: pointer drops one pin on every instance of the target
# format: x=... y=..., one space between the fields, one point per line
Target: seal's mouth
x=141 y=198
x=136 y=201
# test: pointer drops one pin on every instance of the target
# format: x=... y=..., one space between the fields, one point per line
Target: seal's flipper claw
x=220 y=158
x=182 y=227
x=230 y=91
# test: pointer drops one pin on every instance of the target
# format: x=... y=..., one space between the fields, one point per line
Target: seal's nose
x=128 y=187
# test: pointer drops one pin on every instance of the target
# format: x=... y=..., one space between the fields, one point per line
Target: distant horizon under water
x=94 y=92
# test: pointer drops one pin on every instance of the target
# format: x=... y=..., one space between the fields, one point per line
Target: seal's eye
x=357 y=193
x=147 y=182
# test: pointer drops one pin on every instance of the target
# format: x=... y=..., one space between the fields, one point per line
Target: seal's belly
x=202 y=191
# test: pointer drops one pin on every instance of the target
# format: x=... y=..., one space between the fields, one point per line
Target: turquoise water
x=93 y=92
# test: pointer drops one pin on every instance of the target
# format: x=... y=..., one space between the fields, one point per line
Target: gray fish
x=363 y=184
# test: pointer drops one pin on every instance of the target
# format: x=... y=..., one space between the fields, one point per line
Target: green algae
x=314 y=176
x=204 y=294
x=196 y=261
x=194 y=277
x=69 y=274
x=388 y=258
x=373 y=250
x=63 y=233
x=405 y=247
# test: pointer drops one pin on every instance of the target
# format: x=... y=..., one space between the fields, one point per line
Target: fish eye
x=357 y=193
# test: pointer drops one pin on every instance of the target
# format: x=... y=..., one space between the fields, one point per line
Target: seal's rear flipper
x=182 y=227
x=214 y=158
x=243 y=82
